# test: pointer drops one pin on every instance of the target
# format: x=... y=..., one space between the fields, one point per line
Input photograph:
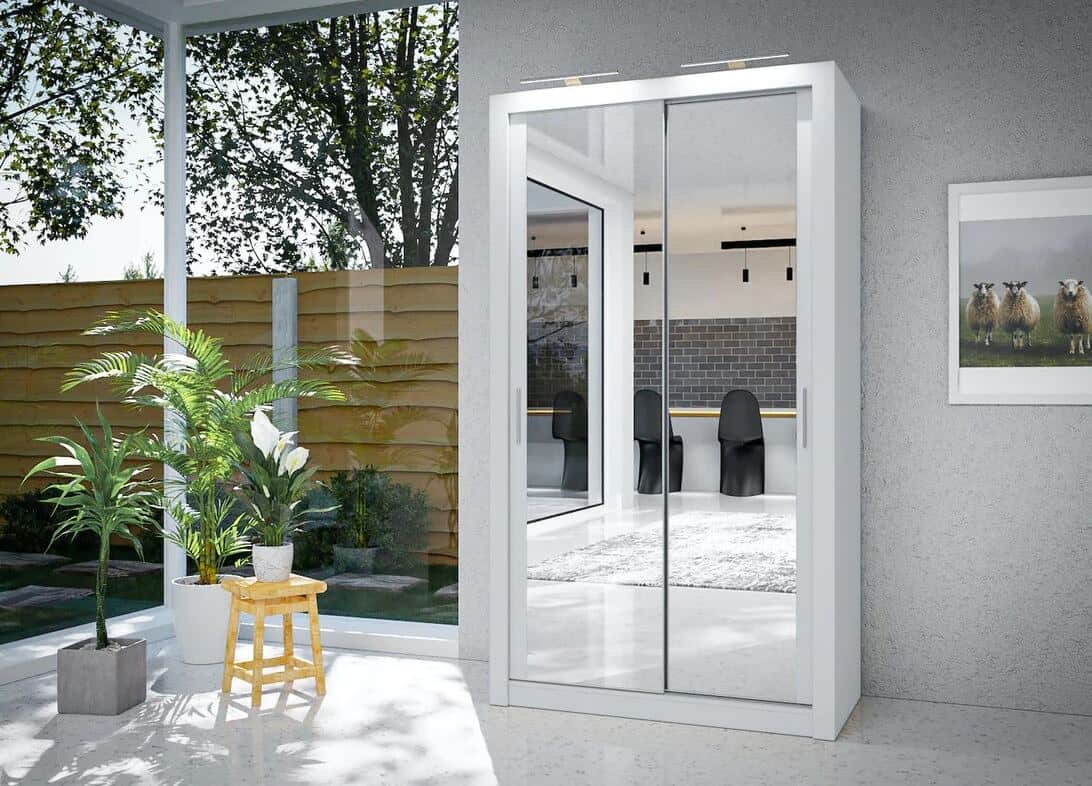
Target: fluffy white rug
x=742 y=551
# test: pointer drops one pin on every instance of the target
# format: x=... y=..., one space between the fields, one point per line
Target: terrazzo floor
x=403 y=720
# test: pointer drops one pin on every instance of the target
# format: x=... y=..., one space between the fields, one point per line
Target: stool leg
x=316 y=647
x=229 y=652
x=258 y=669
x=289 y=645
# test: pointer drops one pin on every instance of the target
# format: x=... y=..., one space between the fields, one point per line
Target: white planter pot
x=272 y=563
x=200 y=619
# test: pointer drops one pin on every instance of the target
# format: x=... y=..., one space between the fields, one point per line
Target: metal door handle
x=519 y=416
x=804 y=420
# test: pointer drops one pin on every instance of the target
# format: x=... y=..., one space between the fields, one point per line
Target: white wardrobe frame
x=828 y=422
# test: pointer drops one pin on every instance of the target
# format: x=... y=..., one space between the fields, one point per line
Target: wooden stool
x=263 y=599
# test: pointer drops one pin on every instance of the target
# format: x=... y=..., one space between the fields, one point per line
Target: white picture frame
x=970 y=205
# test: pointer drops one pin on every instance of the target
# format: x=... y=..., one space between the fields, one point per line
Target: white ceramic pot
x=272 y=563
x=200 y=619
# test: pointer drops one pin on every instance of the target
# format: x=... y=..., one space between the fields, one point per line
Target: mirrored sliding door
x=732 y=380
x=587 y=549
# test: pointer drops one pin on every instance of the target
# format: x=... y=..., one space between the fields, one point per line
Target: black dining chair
x=742 y=445
x=570 y=425
x=647 y=431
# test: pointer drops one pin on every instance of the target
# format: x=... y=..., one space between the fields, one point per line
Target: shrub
x=375 y=511
x=28 y=522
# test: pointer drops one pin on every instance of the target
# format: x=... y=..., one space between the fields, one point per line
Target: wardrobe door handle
x=804 y=420
x=519 y=416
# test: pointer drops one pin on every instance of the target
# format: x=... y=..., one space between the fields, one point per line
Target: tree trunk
x=100 y=592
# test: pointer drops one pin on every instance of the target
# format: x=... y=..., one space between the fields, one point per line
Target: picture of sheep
x=1038 y=314
x=1073 y=314
x=982 y=311
x=1019 y=310
x=1019 y=313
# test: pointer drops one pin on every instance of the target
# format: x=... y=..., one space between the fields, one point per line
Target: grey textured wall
x=977 y=521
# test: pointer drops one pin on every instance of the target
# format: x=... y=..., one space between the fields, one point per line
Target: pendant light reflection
x=746 y=271
x=645 y=277
x=534 y=278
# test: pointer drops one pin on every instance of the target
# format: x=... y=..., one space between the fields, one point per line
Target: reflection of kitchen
x=711 y=354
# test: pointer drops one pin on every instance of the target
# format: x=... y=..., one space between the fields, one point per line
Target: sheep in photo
x=1073 y=314
x=982 y=312
x=1019 y=313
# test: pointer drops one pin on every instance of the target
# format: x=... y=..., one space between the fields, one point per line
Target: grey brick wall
x=709 y=357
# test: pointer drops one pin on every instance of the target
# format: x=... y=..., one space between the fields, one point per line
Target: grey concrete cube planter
x=101 y=682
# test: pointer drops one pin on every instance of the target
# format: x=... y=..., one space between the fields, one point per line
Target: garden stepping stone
x=378 y=582
x=451 y=591
x=116 y=568
x=36 y=595
x=14 y=560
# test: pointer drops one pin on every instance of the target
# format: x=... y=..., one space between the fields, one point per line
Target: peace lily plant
x=206 y=402
x=276 y=481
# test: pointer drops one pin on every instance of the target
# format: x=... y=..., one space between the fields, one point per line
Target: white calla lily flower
x=294 y=460
x=285 y=441
x=264 y=433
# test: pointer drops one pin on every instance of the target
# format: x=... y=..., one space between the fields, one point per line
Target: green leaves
x=98 y=493
x=326 y=143
x=209 y=402
x=274 y=487
x=68 y=77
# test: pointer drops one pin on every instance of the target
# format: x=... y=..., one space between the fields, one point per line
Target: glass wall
x=81 y=233
x=322 y=163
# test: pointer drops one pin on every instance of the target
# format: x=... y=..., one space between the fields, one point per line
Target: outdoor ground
x=1048 y=346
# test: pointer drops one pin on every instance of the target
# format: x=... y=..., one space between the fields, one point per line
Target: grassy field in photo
x=1048 y=346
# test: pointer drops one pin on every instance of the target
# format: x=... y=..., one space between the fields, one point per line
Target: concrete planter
x=200 y=619
x=272 y=563
x=101 y=682
x=353 y=560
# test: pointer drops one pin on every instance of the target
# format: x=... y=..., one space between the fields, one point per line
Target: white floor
x=720 y=642
x=413 y=721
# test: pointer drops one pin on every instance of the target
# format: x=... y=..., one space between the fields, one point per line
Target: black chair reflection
x=570 y=425
x=647 y=414
x=742 y=445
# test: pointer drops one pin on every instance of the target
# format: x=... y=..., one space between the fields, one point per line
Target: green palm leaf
x=207 y=401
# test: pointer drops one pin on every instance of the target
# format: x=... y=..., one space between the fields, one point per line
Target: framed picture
x=1019 y=281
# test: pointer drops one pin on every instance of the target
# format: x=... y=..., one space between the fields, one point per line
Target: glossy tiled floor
x=394 y=720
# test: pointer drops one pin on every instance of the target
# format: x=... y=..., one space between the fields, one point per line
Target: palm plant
x=100 y=495
x=206 y=402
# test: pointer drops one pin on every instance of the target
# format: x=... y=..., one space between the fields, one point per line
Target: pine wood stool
x=263 y=599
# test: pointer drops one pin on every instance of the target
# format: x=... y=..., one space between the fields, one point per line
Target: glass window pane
x=81 y=234
x=311 y=226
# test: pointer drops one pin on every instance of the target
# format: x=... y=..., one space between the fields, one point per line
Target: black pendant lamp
x=572 y=277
